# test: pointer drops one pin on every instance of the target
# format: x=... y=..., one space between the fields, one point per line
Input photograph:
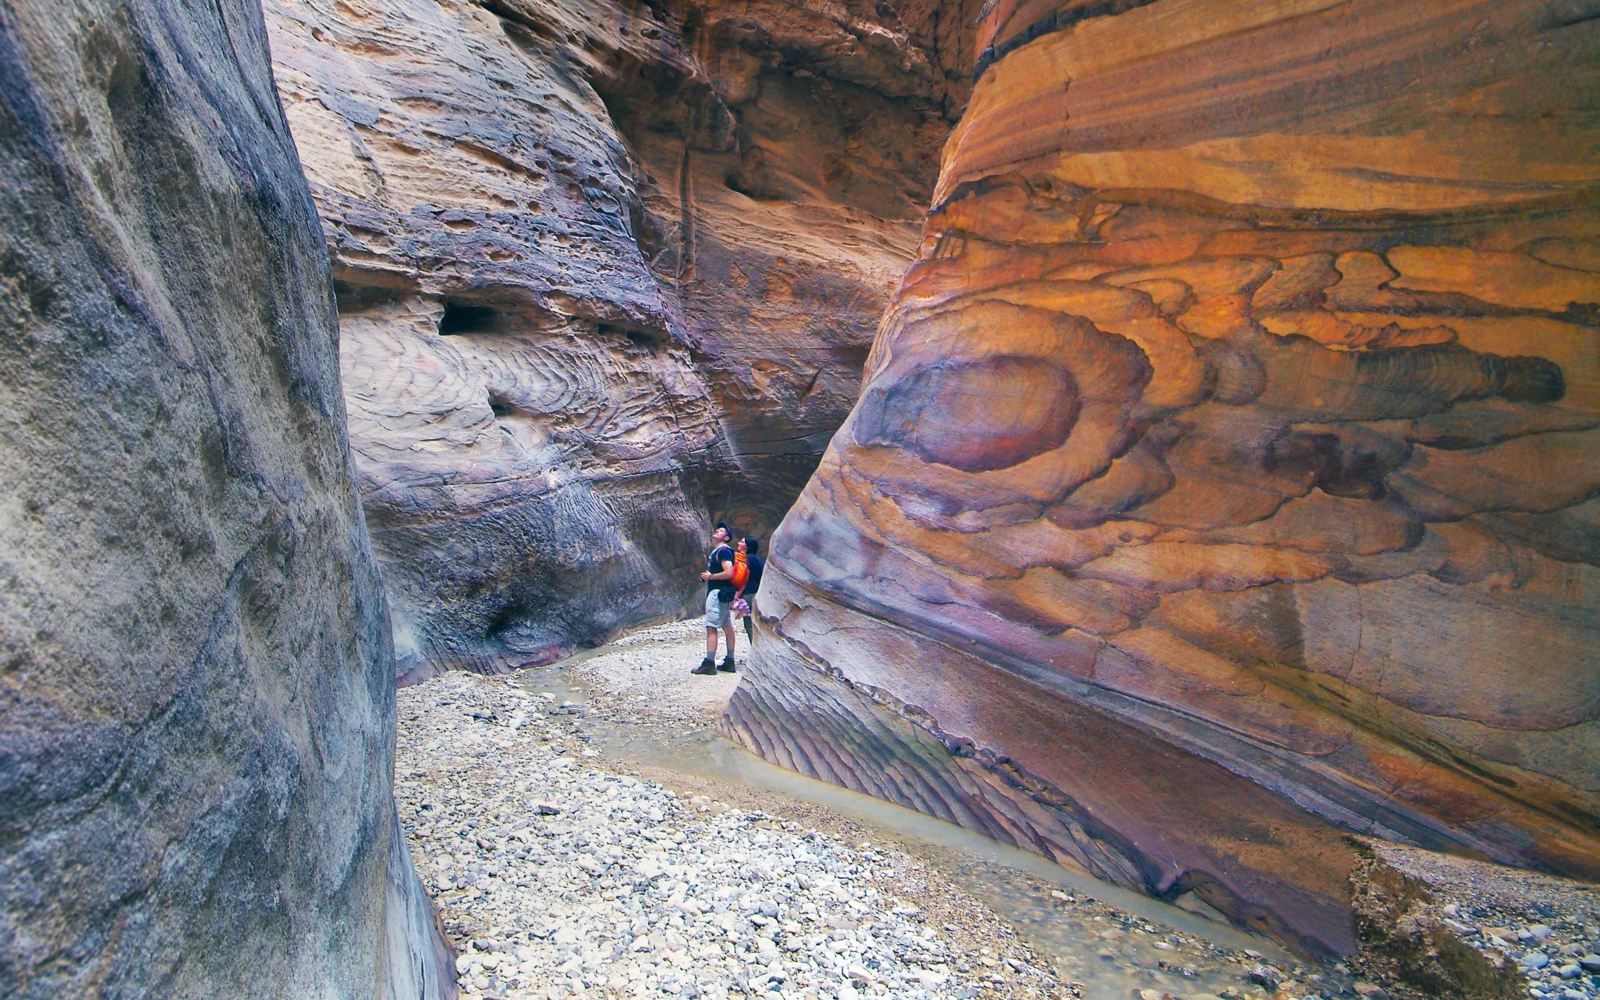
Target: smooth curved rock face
x=1225 y=473
x=196 y=688
x=605 y=270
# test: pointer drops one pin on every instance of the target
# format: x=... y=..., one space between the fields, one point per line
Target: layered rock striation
x=605 y=269
x=196 y=684
x=1225 y=476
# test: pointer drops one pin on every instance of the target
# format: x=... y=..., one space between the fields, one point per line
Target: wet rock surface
x=196 y=697
x=604 y=269
x=1241 y=507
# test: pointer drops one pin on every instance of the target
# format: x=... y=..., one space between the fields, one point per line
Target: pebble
x=562 y=878
x=1553 y=952
x=559 y=877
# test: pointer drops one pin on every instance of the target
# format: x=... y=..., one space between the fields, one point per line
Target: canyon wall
x=606 y=270
x=1225 y=476
x=196 y=683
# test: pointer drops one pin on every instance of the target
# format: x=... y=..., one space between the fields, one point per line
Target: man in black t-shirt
x=750 y=547
x=718 y=576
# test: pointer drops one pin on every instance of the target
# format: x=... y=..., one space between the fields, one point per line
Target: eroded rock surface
x=197 y=696
x=604 y=268
x=1225 y=473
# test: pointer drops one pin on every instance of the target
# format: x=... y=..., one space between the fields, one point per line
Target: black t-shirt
x=757 y=564
x=719 y=555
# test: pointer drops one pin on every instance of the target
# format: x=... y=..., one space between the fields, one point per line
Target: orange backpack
x=741 y=571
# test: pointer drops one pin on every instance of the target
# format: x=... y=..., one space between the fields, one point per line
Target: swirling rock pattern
x=197 y=709
x=1226 y=470
x=526 y=490
x=604 y=269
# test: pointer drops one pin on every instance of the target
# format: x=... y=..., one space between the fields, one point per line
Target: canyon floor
x=570 y=855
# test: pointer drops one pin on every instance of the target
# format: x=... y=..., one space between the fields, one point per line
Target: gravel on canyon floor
x=562 y=872
x=1547 y=928
x=559 y=878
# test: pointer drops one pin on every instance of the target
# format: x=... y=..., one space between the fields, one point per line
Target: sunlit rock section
x=1225 y=474
x=196 y=684
x=605 y=269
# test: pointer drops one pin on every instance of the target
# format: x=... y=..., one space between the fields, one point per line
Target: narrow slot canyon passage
x=1128 y=472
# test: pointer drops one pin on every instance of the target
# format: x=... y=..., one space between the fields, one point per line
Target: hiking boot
x=707 y=668
x=727 y=666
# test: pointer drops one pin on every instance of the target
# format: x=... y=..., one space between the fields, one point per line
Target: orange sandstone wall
x=1225 y=474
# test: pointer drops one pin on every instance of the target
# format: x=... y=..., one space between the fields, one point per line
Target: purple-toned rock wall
x=196 y=676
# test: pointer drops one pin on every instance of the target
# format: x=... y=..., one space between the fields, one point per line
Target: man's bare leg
x=709 y=664
x=727 y=664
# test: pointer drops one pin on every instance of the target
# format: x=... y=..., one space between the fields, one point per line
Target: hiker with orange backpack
x=748 y=582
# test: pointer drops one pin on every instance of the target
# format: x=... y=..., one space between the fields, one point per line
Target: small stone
x=1572 y=971
x=1534 y=960
x=1591 y=962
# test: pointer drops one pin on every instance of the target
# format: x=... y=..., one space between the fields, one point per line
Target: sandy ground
x=648 y=673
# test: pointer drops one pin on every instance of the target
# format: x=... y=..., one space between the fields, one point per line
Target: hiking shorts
x=719 y=613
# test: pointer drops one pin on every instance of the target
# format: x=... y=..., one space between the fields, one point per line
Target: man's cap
x=724 y=526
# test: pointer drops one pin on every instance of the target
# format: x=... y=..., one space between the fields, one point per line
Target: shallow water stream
x=1153 y=949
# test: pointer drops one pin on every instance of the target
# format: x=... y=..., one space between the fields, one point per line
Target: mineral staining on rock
x=602 y=268
x=196 y=702
x=1224 y=476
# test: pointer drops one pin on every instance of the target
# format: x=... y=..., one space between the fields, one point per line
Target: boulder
x=196 y=677
x=1223 y=478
